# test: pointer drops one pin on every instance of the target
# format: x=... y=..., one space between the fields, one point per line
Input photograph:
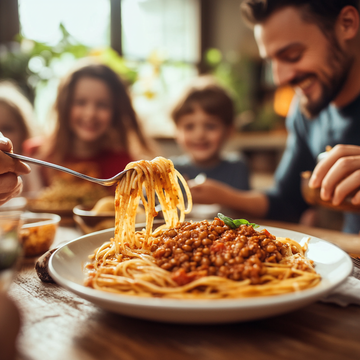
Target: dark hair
x=19 y=105
x=322 y=12
x=210 y=96
x=125 y=131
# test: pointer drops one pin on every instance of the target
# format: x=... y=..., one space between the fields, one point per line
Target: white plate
x=66 y=268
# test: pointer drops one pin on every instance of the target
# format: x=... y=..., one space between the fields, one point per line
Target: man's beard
x=339 y=65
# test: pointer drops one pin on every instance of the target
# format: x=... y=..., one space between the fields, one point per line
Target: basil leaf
x=227 y=220
x=239 y=222
x=233 y=224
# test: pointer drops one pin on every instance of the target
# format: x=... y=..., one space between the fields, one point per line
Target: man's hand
x=338 y=175
x=10 y=169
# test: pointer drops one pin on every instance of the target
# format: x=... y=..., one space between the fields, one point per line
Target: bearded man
x=314 y=46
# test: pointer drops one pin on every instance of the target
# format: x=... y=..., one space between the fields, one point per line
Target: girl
x=17 y=124
x=96 y=125
x=16 y=115
x=97 y=132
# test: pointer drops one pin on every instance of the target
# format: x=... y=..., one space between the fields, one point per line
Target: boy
x=204 y=121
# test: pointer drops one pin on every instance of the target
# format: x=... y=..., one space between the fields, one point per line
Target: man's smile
x=304 y=85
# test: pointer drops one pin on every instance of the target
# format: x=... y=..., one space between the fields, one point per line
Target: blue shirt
x=231 y=170
x=306 y=140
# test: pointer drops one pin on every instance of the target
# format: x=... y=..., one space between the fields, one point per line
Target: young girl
x=204 y=118
x=97 y=132
x=16 y=115
x=17 y=124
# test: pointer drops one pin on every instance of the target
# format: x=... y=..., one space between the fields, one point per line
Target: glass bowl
x=10 y=248
x=37 y=232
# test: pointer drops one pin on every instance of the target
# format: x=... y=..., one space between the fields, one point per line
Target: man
x=314 y=46
x=10 y=169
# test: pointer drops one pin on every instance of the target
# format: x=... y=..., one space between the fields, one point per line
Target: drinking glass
x=10 y=247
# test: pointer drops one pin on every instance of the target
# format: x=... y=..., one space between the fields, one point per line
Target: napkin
x=348 y=292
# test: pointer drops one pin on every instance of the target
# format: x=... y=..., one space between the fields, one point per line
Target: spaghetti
x=186 y=260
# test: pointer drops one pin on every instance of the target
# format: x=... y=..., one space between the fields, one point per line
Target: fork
x=104 y=182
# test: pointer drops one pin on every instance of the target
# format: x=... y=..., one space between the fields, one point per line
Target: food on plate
x=64 y=195
x=37 y=232
x=223 y=258
x=36 y=240
x=104 y=205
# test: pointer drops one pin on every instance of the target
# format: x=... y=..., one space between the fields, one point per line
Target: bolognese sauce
x=194 y=250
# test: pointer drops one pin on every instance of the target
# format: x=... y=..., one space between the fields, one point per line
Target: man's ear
x=347 y=23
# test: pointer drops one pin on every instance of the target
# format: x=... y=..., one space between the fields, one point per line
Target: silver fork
x=104 y=182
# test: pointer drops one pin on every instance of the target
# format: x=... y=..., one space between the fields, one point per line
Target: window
x=88 y=21
x=170 y=27
x=160 y=38
x=165 y=33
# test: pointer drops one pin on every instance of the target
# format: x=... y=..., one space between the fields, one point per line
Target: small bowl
x=89 y=220
x=37 y=232
x=312 y=196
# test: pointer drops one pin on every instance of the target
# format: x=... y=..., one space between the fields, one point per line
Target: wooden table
x=59 y=325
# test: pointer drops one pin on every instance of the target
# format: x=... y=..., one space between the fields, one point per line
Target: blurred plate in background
x=17 y=203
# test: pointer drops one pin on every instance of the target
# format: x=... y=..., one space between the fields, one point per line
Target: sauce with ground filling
x=194 y=250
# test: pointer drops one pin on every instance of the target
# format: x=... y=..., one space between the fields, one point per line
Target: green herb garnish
x=235 y=223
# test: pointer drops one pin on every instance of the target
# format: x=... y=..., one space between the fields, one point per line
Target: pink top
x=104 y=165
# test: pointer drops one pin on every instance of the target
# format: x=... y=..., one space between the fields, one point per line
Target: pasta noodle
x=186 y=260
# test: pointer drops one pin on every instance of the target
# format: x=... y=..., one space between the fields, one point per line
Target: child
x=17 y=123
x=16 y=115
x=204 y=121
x=97 y=132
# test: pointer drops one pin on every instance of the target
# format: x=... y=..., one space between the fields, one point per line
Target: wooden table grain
x=58 y=325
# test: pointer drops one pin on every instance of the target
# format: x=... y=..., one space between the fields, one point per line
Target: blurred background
x=157 y=46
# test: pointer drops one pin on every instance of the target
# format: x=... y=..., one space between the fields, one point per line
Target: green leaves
x=235 y=223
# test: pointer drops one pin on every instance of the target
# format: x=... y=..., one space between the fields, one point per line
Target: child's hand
x=253 y=203
x=209 y=192
x=10 y=169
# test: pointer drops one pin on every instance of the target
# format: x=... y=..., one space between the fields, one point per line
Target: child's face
x=92 y=109
x=10 y=128
x=202 y=135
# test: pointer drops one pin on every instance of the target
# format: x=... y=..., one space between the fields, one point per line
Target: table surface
x=60 y=325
